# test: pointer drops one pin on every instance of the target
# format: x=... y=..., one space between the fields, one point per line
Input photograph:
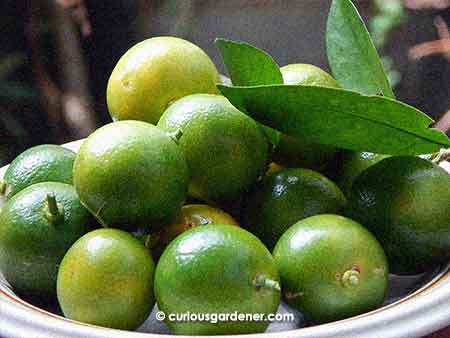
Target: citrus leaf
x=339 y=117
x=250 y=66
x=352 y=55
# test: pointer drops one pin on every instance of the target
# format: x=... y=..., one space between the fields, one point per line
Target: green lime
x=354 y=163
x=37 y=226
x=217 y=269
x=404 y=201
x=308 y=75
x=292 y=152
x=331 y=268
x=156 y=72
x=225 y=149
x=106 y=279
x=130 y=173
x=190 y=216
x=44 y=163
x=287 y=196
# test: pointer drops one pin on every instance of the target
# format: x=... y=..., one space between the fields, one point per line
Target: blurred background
x=56 y=55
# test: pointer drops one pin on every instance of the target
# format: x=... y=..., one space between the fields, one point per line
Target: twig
x=440 y=46
x=424 y=4
x=50 y=93
x=185 y=14
x=75 y=99
x=143 y=19
x=444 y=123
x=79 y=14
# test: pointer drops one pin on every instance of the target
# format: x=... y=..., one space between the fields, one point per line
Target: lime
x=354 y=163
x=216 y=269
x=43 y=163
x=292 y=152
x=190 y=216
x=405 y=202
x=331 y=268
x=37 y=226
x=308 y=75
x=106 y=278
x=287 y=196
x=156 y=72
x=225 y=149
x=130 y=173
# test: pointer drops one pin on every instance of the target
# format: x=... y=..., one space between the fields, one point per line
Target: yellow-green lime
x=215 y=269
x=106 y=279
x=190 y=216
x=131 y=173
x=225 y=149
x=287 y=196
x=43 y=163
x=156 y=72
x=331 y=268
x=405 y=202
x=37 y=226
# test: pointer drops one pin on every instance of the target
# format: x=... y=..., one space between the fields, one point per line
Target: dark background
x=56 y=55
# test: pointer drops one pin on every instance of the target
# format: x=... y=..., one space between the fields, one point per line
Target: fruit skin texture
x=190 y=216
x=131 y=173
x=225 y=149
x=405 y=202
x=212 y=269
x=287 y=196
x=317 y=259
x=106 y=279
x=31 y=247
x=156 y=72
x=43 y=163
x=292 y=152
x=353 y=164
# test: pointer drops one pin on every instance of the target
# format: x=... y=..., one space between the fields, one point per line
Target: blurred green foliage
x=389 y=15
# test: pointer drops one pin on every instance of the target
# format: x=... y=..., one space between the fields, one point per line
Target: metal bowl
x=415 y=306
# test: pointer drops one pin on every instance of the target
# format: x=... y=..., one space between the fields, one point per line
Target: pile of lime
x=142 y=213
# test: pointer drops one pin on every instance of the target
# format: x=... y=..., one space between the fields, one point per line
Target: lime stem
x=350 y=278
x=53 y=213
x=262 y=281
x=2 y=187
x=441 y=156
x=176 y=135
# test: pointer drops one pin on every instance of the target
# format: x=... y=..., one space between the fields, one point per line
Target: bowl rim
x=410 y=316
x=416 y=314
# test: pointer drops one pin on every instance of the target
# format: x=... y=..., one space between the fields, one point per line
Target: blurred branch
x=143 y=21
x=50 y=93
x=440 y=46
x=68 y=106
x=79 y=14
x=426 y=4
x=184 y=12
x=444 y=123
x=75 y=99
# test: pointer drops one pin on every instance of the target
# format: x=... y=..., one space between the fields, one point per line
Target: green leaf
x=341 y=118
x=250 y=66
x=352 y=55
